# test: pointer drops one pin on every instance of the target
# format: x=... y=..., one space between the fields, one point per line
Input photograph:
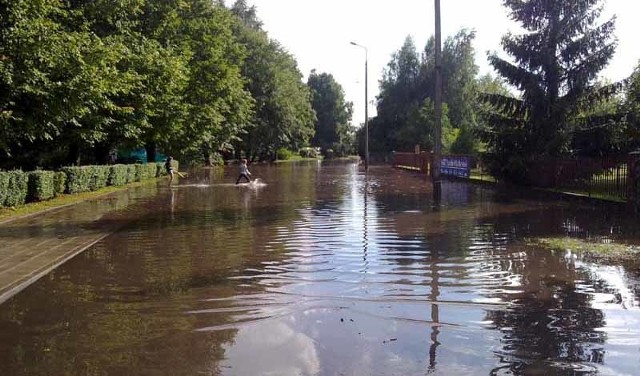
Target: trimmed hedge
x=59 y=182
x=13 y=188
x=40 y=185
x=99 y=177
x=118 y=175
x=79 y=179
x=131 y=173
x=18 y=187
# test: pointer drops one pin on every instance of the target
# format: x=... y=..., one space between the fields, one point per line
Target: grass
x=591 y=194
x=607 y=252
x=63 y=200
x=477 y=174
x=296 y=158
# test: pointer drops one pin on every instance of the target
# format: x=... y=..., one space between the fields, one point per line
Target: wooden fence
x=419 y=162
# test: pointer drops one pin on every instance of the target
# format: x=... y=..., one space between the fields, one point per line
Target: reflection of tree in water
x=548 y=323
x=121 y=306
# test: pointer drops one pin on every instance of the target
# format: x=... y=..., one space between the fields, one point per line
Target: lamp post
x=366 y=108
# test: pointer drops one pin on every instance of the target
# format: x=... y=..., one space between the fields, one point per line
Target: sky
x=318 y=35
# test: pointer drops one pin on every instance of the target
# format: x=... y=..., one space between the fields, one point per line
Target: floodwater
x=323 y=270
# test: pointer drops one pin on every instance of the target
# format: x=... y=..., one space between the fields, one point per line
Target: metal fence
x=604 y=176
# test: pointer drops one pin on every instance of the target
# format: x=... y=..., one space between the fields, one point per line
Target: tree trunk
x=73 y=158
x=151 y=149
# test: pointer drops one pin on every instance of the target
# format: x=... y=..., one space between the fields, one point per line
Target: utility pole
x=435 y=166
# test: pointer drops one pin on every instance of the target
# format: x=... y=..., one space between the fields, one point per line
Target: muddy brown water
x=325 y=270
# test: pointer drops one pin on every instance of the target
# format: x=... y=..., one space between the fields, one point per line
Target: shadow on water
x=327 y=270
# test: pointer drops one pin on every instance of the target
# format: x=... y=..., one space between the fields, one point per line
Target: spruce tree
x=555 y=63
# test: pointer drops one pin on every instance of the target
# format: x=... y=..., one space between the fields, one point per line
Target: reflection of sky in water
x=274 y=349
x=616 y=299
x=360 y=277
x=334 y=341
x=326 y=272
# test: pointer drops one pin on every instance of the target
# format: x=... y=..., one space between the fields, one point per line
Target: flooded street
x=327 y=271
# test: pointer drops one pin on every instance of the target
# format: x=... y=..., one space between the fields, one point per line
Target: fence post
x=633 y=181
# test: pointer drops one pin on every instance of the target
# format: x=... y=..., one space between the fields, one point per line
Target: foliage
x=13 y=188
x=405 y=104
x=80 y=80
x=117 y=175
x=79 y=179
x=333 y=113
x=555 y=65
x=40 y=185
x=282 y=115
x=59 y=182
x=632 y=109
x=283 y=154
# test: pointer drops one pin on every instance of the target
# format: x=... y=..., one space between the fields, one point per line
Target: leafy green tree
x=460 y=92
x=420 y=128
x=283 y=116
x=58 y=84
x=332 y=111
x=407 y=92
x=157 y=72
x=400 y=96
x=632 y=109
x=218 y=106
x=555 y=65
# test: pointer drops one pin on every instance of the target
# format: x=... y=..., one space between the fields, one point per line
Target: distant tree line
x=546 y=101
x=189 y=78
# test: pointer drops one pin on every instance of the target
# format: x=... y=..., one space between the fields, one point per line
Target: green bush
x=117 y=175
x=79 y=179
x=59 y=182
x=145 y=171
x=13 y=188
x=160 y=171
x=283 y=154
x=151 y=170
x=100 y=177
x=131 y=173
x=40 y=185
x=139 y=172
x=17 y=187
x=4 y=187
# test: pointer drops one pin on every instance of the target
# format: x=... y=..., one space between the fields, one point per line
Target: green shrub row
x=18 y=187
x=40 y=185
x=13 y=188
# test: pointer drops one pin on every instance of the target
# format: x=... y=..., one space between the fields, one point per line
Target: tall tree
x=632 y=109
x=282 y=116
x=400 y=96
x=58 y=84
x=332 y=111
x=555 y=66
x=218 y=104
x=460 y=71
x=407 y=92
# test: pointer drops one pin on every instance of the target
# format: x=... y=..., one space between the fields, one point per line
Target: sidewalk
x=32 y=246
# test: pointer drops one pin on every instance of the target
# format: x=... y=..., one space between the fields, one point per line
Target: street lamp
x=366 y=108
